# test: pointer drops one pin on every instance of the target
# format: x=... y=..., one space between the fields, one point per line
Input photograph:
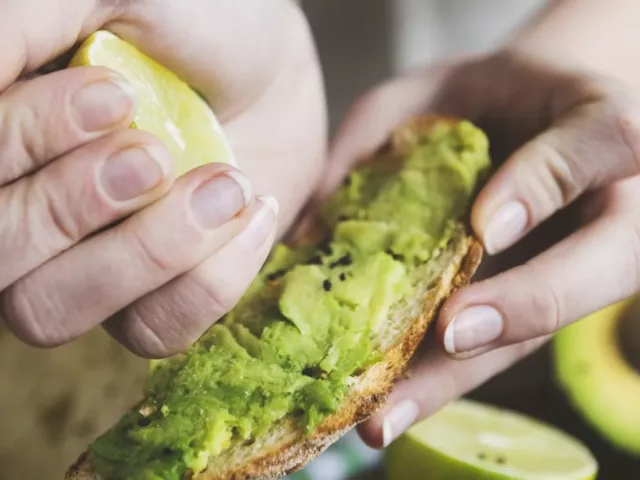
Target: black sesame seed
x=167 y=452
x=315 y=260
x=396 y=256
x=313 y=372
x=501 y=460
x=143 y=422
x=326 y=249
x=343 y=277
x=347 y=181
x=326 y=285
x=482 y=455
x=344 y=260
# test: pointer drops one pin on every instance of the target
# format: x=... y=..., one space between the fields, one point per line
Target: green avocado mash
x=306 y=324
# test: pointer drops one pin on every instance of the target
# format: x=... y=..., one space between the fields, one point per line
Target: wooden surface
x=54 y=402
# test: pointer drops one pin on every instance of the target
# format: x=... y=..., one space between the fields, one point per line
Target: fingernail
x=103 y=104
x=399 y=419
x=134 y=171
x=261 y=224
x=473 y=328
x=218 y=200
x=505 y=227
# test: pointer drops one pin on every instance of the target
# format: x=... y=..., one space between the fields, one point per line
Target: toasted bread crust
x=372 y=389
x=378 y=380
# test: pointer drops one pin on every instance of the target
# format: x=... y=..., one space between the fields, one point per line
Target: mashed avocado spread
x=305 y=325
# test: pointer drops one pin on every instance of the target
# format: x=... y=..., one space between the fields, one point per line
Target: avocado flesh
x=595 y=375
x=306 y=324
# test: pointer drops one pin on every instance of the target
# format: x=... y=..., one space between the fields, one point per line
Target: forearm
x=600 y=34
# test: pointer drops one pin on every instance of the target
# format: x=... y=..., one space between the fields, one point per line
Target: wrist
x=585 y=35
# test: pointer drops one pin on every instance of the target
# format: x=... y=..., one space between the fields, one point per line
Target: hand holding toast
x=557 y=216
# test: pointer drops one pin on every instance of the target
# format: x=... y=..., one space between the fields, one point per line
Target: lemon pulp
x=167 y=107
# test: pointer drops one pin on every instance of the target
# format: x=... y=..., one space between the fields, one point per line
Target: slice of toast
x=286 y=447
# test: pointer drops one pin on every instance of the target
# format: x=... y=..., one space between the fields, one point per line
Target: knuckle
x=552 y=180
x=626 y=122
x=18 y=311
x=546 y=310
x=559 y=168
x=18 y=151
x=221 y=298
x=150 y=337
x=31 y=134
x=168 y=323
x=154 y=257
x=58 y=222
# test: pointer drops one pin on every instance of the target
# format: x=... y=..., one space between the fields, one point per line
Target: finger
x=598 y=142
x=170 y=319
x=90 y=188
x=436 y=380
x=547 y=293
x=43 y=118
x=230 y=86
x=364 y=129
x=33 y=32
x=102 y=275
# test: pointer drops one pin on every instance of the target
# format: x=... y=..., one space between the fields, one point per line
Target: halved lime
x=167 y=107
x=470 y=440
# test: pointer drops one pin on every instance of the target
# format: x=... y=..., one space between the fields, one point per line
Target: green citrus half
x=469 y=440
x=166 y=106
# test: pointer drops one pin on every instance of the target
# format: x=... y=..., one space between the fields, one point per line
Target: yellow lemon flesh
x=167 y=107
x=469 y=440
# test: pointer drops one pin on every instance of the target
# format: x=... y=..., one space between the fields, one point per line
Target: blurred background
x=362 y=42
x=53 y=403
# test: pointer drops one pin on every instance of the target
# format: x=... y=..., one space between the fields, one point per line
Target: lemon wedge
x=167 y=107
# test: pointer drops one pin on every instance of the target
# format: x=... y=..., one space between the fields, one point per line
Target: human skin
x=558 y=103
x=95 y=228
x=558 y=218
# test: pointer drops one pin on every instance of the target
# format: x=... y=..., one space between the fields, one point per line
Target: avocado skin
x=596 y=377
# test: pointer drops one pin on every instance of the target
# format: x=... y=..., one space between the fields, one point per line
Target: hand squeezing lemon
x=471 y=441
x=166 y=106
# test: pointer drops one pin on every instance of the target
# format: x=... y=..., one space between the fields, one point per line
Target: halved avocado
x=594 y=368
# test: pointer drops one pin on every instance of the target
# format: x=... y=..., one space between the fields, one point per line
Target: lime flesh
x=468 y=440
x=167 y=107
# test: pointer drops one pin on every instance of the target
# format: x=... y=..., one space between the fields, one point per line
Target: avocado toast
x=317 y=341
